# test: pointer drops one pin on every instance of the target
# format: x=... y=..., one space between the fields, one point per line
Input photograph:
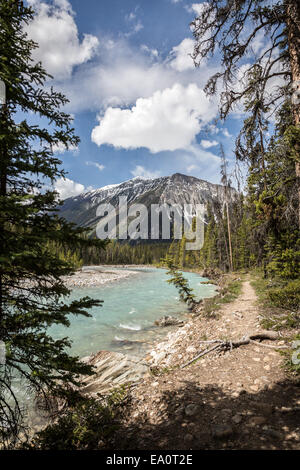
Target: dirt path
x=239 y=399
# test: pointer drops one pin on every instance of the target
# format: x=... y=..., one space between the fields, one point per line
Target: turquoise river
x=125 y=322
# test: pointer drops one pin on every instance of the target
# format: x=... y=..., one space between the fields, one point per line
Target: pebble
x=257 y=421
x=191 y=349
x=273 y=433
x=226 y=411
x=191 y=409
x=237 y=419
x=221 y=431
x=264 y=408
x=188 y=438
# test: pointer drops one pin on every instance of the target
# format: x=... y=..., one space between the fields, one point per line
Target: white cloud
x=132 y=18
x=226 y=133
x=68 y=188
x=196 y=8
x=152 y=52
x=55 y=30
x=142 y=71
x=182 y=55
x=144 y=173
x=202 y=163
x=97 y=165
x=208 y=143
x=191 y=168
x=135 y=29
x=100 y=83
x=61 y=148
x=168 y=120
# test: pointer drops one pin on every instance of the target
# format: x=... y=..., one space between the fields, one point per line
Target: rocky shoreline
x=113 y=369
x=91 y=277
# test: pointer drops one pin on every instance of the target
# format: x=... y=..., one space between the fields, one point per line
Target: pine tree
x=32 y=293
x=231 y=28
x=177 y=279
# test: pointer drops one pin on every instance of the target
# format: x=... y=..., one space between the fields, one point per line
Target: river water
x=125 y=322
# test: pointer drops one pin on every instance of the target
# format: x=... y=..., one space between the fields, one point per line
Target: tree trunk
x=293 y=24
x=229 y=237
x=3 y=191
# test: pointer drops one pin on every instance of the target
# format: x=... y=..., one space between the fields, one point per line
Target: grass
x=228 y=293
x=159 y=371
x=274 y=317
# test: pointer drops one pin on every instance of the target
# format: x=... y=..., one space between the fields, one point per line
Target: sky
x=137 y=99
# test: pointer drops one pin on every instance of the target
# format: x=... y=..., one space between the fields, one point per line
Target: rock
x=122 y=342
x=191 y=349
x=272 y=433
x=112 y=370
x=188 y=438
x=237 y=419
x=257 y=421
x=221 y=431
x=203 y=438
x=226 y=411
x=167 y=320
x=191 y=409
x=179 y=411
x=264 y=408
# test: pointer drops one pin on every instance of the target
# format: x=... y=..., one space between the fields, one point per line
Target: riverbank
x=95 y=276
x=238 y=397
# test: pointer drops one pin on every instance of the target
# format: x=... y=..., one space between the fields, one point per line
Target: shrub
x=287 y=297
x=83 y=426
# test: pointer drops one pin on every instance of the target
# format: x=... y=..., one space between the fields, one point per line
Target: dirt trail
x=240 y=399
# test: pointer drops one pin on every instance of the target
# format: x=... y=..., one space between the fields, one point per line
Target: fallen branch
x=268 y=345
x=201 y=354
x=220 y=345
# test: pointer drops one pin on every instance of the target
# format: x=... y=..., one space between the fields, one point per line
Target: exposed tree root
x=220 y=345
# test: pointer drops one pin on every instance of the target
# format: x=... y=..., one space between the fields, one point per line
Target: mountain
x=175 y=189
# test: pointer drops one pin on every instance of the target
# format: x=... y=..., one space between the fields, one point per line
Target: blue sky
x=137 y=99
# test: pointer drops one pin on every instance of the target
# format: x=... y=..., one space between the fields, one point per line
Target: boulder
x=167 y=320
x=112 y=370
